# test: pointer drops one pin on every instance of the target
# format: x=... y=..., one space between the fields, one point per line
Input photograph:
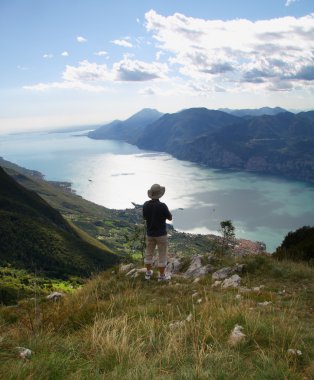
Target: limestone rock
x=265 y=303
x=131 y=272
x=231 y=282
x=223 y=273
x=24 y=353
x=127 y=267
x=236 y=335
x=54 y=296
x=216 y=284
x=294 y=352
x=189 y=317
x=196 y=268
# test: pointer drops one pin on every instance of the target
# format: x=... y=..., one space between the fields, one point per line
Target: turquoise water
x=114 y=174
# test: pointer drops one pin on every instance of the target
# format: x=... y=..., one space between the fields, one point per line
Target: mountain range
x=267 y=140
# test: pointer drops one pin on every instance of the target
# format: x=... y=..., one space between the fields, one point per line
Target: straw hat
x=156 y=191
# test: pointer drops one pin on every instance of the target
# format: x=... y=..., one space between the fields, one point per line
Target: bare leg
x=161 y=270
x=149 y=267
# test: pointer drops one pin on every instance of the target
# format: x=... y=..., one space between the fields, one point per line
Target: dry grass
x=119 y=328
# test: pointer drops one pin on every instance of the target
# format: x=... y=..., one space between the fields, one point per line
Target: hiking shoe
x=164 y=277
x=148 y=274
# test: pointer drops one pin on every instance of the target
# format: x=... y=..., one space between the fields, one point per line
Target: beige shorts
x=162 y=245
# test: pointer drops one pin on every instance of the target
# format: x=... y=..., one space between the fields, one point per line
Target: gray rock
x=294 y=352
x=24 y=353
x=132 y=272
x=127 y=267
x=223 y=273
x=265 y=303
x=174 y=265
x=236 y=335
x=196 y=268
x=54 y=296
x=216 y=284
x=231 y=282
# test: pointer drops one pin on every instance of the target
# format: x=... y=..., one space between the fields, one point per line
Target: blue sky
x=84 y=62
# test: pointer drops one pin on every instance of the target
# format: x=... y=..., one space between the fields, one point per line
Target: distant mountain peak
x=145 y=113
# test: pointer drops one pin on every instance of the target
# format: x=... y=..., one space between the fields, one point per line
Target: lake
x=114 y=174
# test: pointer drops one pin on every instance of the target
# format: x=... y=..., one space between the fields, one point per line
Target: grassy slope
x=120 y=328
x=35 y=236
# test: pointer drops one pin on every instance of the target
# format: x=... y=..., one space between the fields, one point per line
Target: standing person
x=155 y=213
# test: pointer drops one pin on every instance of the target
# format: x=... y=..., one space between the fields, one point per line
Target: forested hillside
x=36 y=237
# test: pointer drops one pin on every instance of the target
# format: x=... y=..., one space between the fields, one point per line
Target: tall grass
x=120 y=328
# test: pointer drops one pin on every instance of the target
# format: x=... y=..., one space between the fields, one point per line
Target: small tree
x=228 y=235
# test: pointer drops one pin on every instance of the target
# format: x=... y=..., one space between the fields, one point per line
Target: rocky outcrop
x=197 y=268
x=223 y=273
x=231 y=282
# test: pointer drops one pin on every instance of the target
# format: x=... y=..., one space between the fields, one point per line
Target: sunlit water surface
x=114 y=174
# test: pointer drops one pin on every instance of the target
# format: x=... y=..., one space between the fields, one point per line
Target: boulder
x=24 y=353
x=223 y=273
x=196 y=268
x=54 y=296
x=132 y=272
x=236 y=335
x=126 y=267
x=294 y=352
x=231 y=282
x=216 y=284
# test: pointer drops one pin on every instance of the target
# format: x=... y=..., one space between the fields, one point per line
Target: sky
x=87 y=62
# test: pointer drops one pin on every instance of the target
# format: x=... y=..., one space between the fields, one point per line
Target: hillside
x=119 y=327
x=36 y=237
x=264 y=141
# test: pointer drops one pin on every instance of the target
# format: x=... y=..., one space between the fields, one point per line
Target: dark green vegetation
x=119 y=328
x=17 y=284
x=297 y=245
x=279 y=143
x=36 y=237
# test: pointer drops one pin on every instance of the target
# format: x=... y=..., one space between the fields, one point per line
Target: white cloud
x=48 y=56
x=159 y=54
x=65 y=54
x=87 y=72
x=123 y=43
x=101 y=53
x=81 y=39
x=237 y=53
x=138 y=71
x=86 y=76
x=90 y=76
x=289 y=2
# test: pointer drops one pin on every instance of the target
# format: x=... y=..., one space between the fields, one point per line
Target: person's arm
x=168 y=213
x=144 y=211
